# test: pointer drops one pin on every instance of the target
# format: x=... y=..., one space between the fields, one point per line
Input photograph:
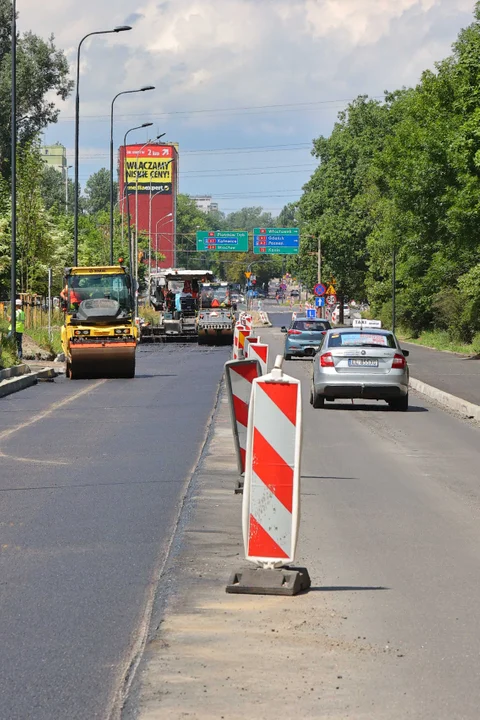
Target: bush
x=476 y=343
x=149 y=314
x=8 y=353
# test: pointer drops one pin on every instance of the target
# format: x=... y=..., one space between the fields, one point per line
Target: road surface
x=390 y=533
x=92 y=477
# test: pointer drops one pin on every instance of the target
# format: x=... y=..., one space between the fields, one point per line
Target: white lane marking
x=56 y=406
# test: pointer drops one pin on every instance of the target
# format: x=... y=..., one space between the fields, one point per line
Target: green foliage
x=52 y=344
x=404 y=176
x=54 y=193
x=42 y=71
x=97 y=192
x=8 y=353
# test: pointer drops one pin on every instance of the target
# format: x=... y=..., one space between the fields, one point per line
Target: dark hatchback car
x=304 y=336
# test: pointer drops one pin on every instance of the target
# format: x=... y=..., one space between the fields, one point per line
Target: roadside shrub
x=8 y=353
x=476 y=343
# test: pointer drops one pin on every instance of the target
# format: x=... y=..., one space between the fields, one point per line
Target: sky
x=242 y=85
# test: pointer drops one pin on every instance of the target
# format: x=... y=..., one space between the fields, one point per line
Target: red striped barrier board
x=239 y=375
x=259 y=352
x=236 y=346
x=271 y=496
x=243 y=333
x=248 y=341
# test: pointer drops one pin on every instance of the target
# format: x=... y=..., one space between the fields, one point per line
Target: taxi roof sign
x=361 y=323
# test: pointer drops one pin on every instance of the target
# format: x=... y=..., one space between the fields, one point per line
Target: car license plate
x=362 y=362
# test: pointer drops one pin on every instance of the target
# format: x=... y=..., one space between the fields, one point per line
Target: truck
x=216 y=319
x=99 y=334
x=192 y=307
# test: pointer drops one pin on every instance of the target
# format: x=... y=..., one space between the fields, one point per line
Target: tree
x=41 y=71
x=189 y=220
x=97 y=192
x=248 y=218
x=54 y=191
x=289 y=216
x=333 y=205
x=34 y=241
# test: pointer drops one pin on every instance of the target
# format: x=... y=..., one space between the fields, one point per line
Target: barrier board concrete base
x=263 y=581
x=239 y=487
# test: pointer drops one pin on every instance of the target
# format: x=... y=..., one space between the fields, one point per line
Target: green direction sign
x=275 y=250
x=275 y=231
x=222 y=240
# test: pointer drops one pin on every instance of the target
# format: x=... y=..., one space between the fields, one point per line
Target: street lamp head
x=147 y=87
x=146 y=125
x=160 y=136
x=121 y=28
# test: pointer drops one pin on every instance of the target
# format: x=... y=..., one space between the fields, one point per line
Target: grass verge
x=439 y=340
x=41 y=338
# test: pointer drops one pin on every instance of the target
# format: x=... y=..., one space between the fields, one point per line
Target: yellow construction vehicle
x=99 y=335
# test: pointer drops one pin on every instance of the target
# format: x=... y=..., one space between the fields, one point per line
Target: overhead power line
x=238 y=110
x=217 y=151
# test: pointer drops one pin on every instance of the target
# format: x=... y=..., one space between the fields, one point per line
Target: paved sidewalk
x=454 y=374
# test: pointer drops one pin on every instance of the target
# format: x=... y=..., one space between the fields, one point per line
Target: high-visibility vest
x=19 y=322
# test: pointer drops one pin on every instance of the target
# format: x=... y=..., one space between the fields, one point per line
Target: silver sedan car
x=360 y=363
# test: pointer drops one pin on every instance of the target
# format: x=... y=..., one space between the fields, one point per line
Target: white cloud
x=206 y=54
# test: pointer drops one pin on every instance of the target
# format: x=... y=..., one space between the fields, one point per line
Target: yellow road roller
x=99 y=335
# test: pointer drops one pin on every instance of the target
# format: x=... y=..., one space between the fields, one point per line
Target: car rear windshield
x=361 y=339
x=310 y=325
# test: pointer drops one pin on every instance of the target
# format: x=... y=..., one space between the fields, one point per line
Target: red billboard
x=148 y=178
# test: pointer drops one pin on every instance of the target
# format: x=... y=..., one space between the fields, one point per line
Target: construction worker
x=19 y=327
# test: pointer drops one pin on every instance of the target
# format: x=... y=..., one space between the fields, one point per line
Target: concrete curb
x=463 y=407
x=14 y=371
x=14 y=384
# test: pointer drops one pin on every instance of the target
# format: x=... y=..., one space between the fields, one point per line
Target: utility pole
x=13 y=271
x=394 y=289
x=50 y=303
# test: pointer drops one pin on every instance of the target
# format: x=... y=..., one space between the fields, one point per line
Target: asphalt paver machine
x=175 y=294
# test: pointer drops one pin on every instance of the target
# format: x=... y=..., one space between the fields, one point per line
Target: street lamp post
x=119 y=28
x=125 y=92
x=157 y=233
x=13 y=271
x=150 y=232
x=136 y=217
x=127 y=195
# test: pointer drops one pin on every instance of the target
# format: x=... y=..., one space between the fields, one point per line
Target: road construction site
x=121 y=530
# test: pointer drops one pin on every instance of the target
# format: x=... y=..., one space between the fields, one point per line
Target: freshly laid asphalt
x=92 y=476
x=455 y=374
